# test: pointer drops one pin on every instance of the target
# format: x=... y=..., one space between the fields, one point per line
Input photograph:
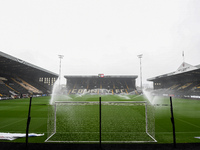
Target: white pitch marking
x=13 y=123
x=188 y=123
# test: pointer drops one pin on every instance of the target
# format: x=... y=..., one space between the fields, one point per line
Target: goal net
x=113 y=122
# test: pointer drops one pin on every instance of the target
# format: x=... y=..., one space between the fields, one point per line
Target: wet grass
x=13 y=117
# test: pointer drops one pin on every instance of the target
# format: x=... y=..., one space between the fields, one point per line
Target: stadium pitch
x=13 y=117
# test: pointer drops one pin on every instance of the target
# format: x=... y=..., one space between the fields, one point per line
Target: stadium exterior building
x=184 y=82
x=101 y=84
x=19 y=78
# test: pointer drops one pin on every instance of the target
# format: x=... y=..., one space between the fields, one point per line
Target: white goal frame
x=102 y=103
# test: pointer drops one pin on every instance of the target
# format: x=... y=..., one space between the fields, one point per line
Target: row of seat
x=16 y=86
x=185 y=86
x=95 y=86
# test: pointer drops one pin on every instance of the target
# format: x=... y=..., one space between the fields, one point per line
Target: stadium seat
x=100 y=85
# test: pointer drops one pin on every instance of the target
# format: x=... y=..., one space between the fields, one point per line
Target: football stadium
x=97 y=111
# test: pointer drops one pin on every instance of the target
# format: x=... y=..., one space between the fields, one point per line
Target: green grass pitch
x=119 y=122
x=13 y=117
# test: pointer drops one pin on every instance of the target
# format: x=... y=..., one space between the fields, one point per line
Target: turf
x=13 y=117
x=119 y=122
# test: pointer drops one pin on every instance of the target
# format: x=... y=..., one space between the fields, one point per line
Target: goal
x=108 y=122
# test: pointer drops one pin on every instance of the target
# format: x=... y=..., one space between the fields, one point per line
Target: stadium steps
x=189 y=87
x=174 y=87
x=27 y=86
x=1 y=94
x=12 y=89
x=20 y=84
x=101 y=85
x=39 y=86
x=136 y=92
x=72 y=91
x=126 y=91
x=197 y=86
x=4 y=89
x=74 y=85
x=74 y=88
x=184 y=86
x=126 y=85
x=88 y=84
x=1 y=82
x=15 y=86
x=34 y=89
x=113 y=85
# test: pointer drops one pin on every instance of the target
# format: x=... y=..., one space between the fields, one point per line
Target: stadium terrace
x=184 y=82
x=19 y=78
x=101 y=84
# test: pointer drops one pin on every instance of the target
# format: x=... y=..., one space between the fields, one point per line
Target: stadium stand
x=174 y=86
x=21 y=79
x=196 y=86
x=26 y=85
x=184 y=82
x=101 y=85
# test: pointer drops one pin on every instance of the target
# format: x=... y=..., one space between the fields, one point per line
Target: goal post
x=121 y=122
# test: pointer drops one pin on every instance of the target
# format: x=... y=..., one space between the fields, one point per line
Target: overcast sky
x=102 y=36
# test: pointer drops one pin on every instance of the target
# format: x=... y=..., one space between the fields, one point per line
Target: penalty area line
x=13 y=123
x=187 y=122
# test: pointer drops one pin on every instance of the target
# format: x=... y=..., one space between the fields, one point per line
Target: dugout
x=19 y=78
